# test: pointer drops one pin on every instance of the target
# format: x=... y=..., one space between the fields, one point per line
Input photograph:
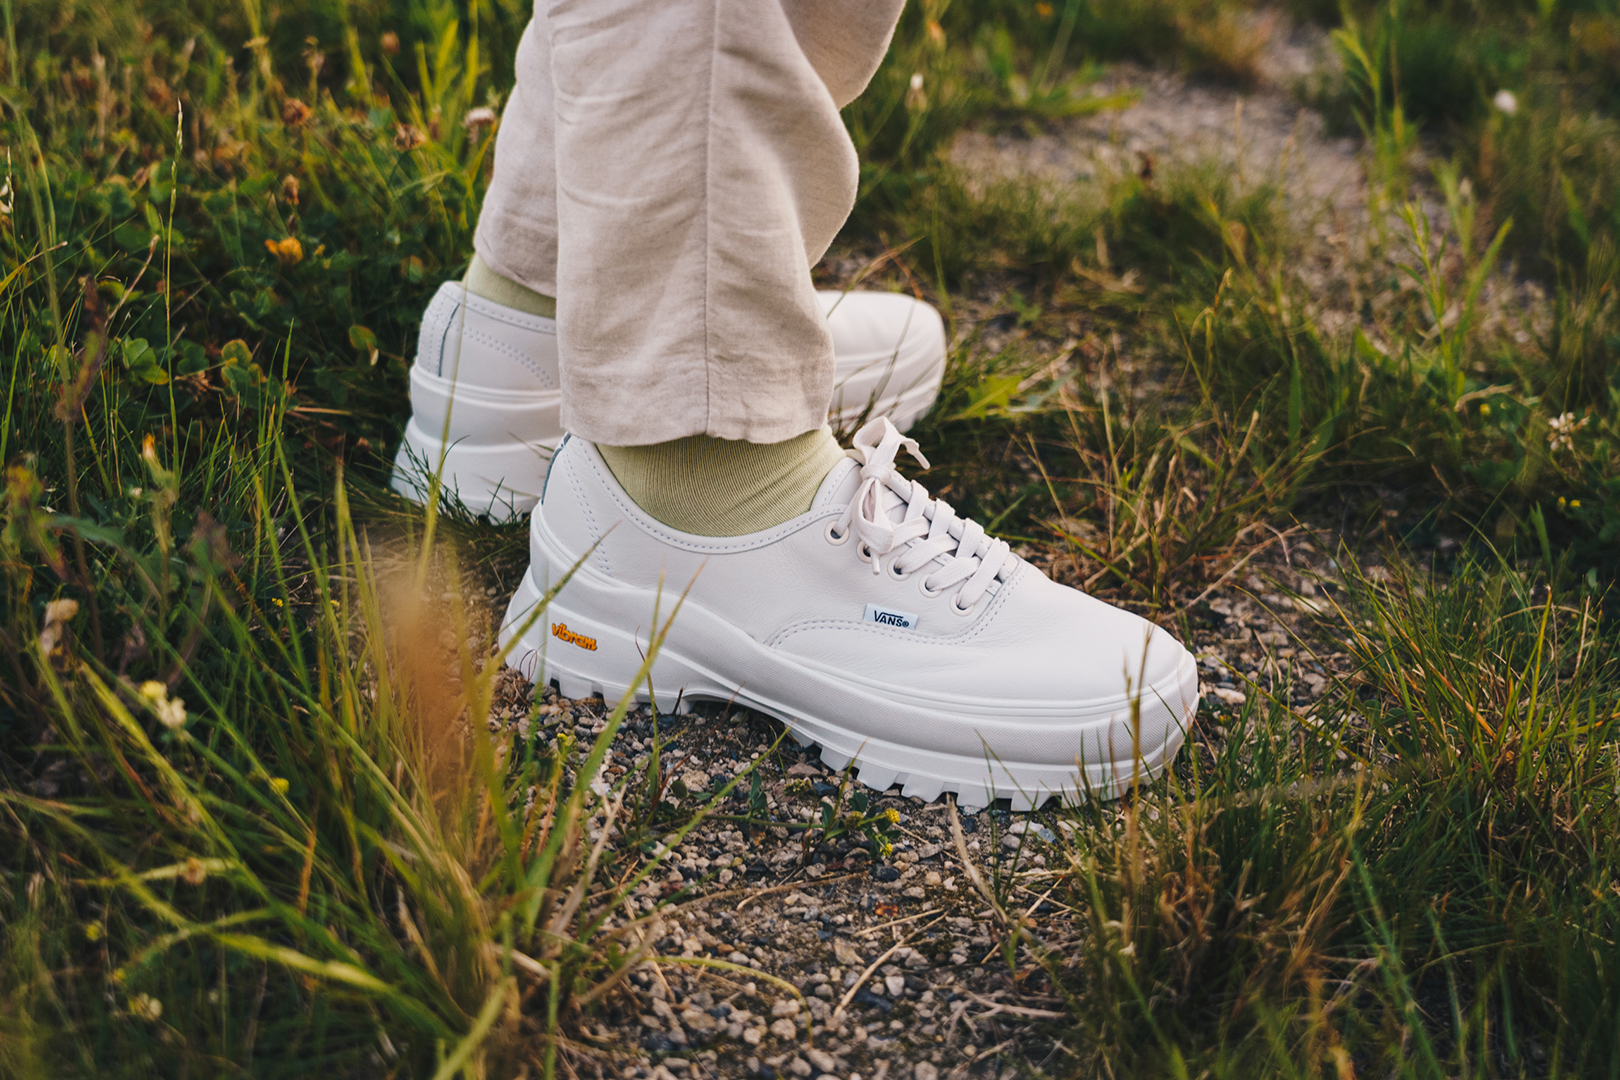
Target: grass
x=245 y=687
x=1411 y=880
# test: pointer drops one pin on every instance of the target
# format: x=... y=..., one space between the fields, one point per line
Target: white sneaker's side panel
x=891 y=356
x=1050 y=683
x=485 y=404
x=928 y=750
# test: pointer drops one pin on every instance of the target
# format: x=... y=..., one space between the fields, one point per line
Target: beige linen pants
x=670 y=170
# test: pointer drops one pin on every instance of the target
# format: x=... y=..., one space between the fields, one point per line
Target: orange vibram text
x=561 y=632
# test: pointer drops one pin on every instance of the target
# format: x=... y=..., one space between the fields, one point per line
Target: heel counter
x=566 y=508
x=551 y=464
x=436 y=320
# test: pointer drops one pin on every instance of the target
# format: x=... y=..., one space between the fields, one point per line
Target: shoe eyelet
x=959 y=609
x=896 y=573
x=865 y=551
x=922 y=586
x=834 y=537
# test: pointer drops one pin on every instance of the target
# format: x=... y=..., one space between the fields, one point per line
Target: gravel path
x=906 y=943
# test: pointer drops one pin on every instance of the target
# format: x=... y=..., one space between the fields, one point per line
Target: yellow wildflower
x=288 y=251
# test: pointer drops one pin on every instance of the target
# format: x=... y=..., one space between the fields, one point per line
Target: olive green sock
x=482 y=281
x=701 y=485
x=725 y=487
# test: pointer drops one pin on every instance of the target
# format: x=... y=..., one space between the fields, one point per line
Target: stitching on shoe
x=973 y=630
x=502 y=314
x=651 y=525
x=511 y=353
x=436 y=324
x=590 y=519
x=489 y=397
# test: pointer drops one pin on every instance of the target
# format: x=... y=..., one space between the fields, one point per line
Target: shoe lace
x=929 y=529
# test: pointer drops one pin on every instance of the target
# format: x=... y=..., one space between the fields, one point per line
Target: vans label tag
x=903 y=620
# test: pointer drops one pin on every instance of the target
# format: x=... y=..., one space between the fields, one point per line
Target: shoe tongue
x=839 y=488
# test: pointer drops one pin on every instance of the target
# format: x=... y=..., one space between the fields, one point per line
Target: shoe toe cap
x=1064 y=645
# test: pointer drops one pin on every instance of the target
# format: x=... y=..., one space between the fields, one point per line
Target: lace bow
x=929 y=532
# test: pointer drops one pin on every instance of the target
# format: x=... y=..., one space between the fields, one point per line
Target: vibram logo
x=561 y=632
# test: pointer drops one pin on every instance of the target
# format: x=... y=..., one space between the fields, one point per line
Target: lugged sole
x=586 y=654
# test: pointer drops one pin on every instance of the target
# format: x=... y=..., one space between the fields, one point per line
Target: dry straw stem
x=855 y=987
x=1013 y=1010
x=897 y=922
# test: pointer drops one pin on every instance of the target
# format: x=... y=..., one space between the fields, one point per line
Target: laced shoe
x=879 y=625
x=485 y=396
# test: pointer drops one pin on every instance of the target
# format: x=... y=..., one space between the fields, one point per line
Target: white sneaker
x=499 y=367
x=878 y=624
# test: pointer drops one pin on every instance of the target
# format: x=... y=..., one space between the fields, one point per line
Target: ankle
x=484 y=282
x=724 y=487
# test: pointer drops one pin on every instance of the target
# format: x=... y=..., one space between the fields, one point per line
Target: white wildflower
x=1564 y=428
x=145 y=1006
x=171 y=712
x=58 y=613
x=1507 y=101
x=916 y=99
x=483 y=116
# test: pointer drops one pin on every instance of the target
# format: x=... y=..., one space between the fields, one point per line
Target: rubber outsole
x=500 y=480
x=605 y=663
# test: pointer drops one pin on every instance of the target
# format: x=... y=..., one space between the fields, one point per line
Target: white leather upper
x=1028 y=644
x=478 y=343
x=486 y=404
x=482 y=345
x=867 y=326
